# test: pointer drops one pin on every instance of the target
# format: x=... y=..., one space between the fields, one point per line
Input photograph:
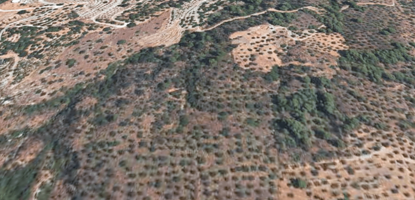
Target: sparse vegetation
x=251 y=99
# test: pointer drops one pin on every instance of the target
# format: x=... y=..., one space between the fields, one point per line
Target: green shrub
x=252 y=122
x=298 y=183
x=121 y=42
x=130 y=25
x=70 y=62
x=21 y=12
x=184 y=120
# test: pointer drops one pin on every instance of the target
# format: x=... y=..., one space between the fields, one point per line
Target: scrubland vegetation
x=185 y=121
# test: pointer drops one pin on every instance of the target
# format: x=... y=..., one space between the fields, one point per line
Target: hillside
x=196 y=99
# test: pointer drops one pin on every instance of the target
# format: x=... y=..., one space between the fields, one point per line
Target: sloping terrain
x=266 y=99
x=266 y=46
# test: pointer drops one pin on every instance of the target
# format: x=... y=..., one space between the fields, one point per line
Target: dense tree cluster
x=26 y=39
x=367 y=63
x=301 y=105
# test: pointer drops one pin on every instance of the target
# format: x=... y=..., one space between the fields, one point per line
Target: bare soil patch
x=93 y=53
x=262 y=47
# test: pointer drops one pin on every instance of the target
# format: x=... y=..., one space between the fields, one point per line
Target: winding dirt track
x=198 y=29
x=96 y=15
x=174 y=33
x=16 y=10
x=381 y=4
x=34 y=17
x=15 y=62
x=195 y=29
